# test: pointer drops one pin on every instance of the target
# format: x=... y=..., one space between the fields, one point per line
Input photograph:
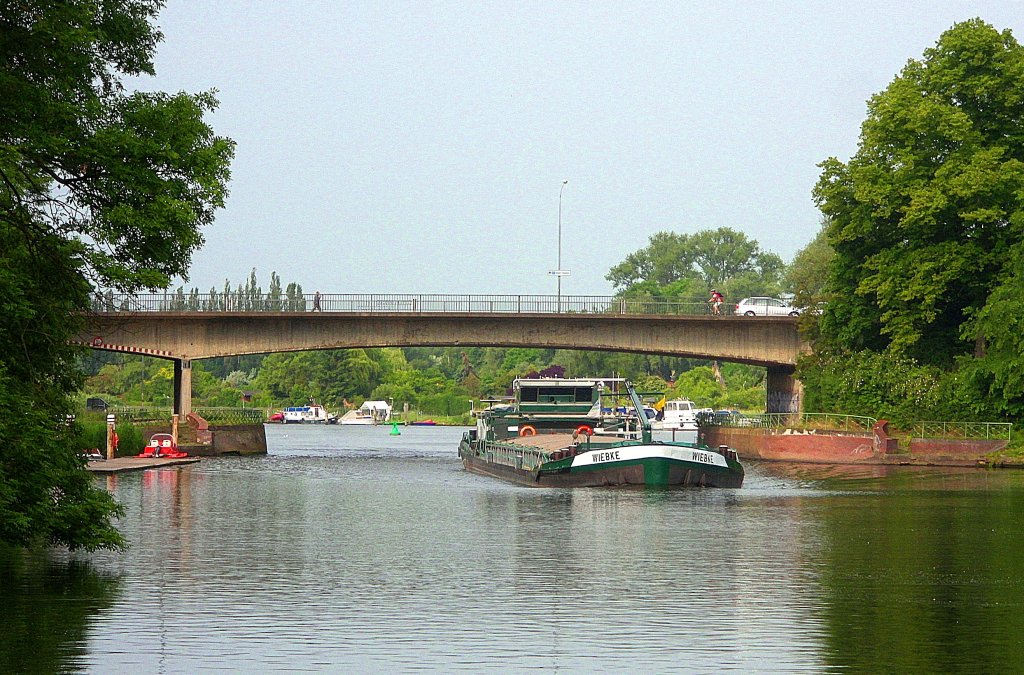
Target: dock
x=122 y=464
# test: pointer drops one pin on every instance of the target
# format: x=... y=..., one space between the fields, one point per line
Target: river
x=347 y=549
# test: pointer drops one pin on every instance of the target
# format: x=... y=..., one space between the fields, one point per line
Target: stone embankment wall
x=228 y=439
x=838 y=447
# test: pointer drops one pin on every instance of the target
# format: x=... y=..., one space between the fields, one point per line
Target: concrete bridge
x=156 y=326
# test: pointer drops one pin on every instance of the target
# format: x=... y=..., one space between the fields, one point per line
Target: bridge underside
x=771 y=342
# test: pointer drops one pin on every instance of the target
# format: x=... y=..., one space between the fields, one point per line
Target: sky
x=420 y=147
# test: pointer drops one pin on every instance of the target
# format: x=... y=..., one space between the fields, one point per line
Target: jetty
x=123 y=464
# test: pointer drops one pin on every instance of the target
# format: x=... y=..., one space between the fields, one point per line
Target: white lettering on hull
x=635 y=452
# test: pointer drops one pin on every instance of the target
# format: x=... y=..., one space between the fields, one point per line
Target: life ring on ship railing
x=584 y=429
x=527 y=430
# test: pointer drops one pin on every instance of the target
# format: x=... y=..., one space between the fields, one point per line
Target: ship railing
x=257 y=301
x=519 y=456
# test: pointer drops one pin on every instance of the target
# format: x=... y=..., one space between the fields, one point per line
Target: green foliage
x=96 y=185
x=686 y=266
x=997 y=370
x=924 y=216
x=325 y=376
x=807 y=277
x=888 y=386
x=45 y=495
x=92 y=435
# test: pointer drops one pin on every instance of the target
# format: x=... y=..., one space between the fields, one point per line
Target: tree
x=98 y=186
x=924 y=217
x=806 y=278
x=677 y=266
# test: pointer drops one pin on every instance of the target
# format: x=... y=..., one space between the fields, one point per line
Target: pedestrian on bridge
x=316 y=302
x=716 y=302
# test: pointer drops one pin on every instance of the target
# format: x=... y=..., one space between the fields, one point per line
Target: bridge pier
x=784 y=392
x=182 y=387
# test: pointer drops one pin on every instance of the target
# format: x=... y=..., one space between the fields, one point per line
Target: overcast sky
x=419 y=147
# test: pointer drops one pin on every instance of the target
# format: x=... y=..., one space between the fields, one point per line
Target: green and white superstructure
x=559 y=432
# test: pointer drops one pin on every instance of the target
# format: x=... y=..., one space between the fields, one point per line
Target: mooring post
x=110 y=437
x=174 y=429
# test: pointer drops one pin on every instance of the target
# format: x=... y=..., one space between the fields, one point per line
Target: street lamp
x=559 y=273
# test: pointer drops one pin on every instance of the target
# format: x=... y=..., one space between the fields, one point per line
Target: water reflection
x=49 y=605
x=348 y=549
x=926 y=582
x=891 y=477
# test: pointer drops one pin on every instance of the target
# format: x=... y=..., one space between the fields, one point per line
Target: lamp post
x=559 y=273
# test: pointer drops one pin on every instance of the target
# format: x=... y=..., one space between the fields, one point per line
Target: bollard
x=174 y=429
x=110 y=437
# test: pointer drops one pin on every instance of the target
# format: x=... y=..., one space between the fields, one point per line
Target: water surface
x=348 y=549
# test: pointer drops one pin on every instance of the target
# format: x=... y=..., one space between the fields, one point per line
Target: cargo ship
x=560 y=432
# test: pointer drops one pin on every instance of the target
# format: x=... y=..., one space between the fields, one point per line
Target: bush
x=884 y=386
x=93 y=435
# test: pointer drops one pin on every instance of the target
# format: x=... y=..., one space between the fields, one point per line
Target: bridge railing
x=397 y=303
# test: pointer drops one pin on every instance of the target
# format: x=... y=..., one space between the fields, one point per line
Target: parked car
x=765 y=307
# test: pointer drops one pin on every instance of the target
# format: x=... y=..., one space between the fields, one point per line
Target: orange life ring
x=584 y=429
x=527 y=430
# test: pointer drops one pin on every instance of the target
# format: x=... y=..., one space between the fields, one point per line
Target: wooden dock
x=122 y=464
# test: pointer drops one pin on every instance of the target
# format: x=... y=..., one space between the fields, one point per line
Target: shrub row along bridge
x=183 y=328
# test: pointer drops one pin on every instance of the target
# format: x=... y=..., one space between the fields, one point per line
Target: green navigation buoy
x=394 y=429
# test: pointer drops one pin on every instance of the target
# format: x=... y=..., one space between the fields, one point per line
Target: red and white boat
x=162 y=445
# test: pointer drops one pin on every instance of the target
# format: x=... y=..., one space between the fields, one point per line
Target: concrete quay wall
x=836 y=447
x=228 y=439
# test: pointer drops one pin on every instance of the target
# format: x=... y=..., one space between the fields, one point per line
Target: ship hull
x=661 y=465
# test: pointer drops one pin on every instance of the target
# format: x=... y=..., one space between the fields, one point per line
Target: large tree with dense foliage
x=927 y=220
x=98 y=186
x=807 y=276
x=676 y=266
x=924 y=216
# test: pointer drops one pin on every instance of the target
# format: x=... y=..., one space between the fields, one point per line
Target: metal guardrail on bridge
x=399 y=303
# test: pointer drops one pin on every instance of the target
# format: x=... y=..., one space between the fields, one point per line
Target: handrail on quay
x=110 y=302
x=214 y=415
x=859 y=423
